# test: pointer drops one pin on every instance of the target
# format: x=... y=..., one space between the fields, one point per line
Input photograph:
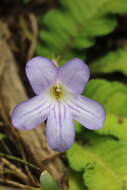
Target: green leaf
x=76 y=181
x=47 y=182
x=76 y=24
x=113 y=95
x=78 y=127
x=103 y=162
x=112 y=62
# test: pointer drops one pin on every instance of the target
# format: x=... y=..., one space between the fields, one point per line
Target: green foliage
x=113 y=95
x=113 y=61
x=76 y=181
x=108 y=94
x=103 y=162
x=75 y=26
x=102 y=158
x=78 y=127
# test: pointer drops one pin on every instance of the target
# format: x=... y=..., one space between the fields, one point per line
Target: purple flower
x=59 y=101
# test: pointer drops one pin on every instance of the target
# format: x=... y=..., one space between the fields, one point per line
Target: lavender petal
x=41 y=73
x=88 y=112
x=74 y=74
x=29 y=114
x=60 y=131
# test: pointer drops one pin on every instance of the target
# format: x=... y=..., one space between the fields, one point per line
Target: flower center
x=57 y=91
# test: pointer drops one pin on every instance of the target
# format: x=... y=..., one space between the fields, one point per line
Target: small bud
x=47 y=182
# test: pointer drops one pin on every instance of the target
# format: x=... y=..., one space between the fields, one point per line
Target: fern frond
x=103 y=162
x=113 y=95
x=103 y=158
x=112 y=62
x=76 y=24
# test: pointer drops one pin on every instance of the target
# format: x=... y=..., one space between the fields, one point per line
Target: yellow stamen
x=57 y=91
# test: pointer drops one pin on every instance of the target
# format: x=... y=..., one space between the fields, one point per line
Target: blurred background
x=96 y=32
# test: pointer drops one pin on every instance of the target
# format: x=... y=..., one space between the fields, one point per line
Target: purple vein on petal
x=74 y=105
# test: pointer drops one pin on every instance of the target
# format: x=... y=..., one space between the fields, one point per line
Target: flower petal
x=60 y=131
x=29 y=114
x=88 y=112
x=74 y=74
x=41 y=73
